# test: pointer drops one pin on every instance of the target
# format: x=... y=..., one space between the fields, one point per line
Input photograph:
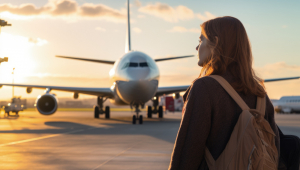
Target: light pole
x=13 y=87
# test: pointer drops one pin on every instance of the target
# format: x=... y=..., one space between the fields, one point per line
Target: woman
x=210 y=114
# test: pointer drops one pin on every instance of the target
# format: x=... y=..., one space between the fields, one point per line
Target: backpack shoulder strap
x=261 y=105
x=230 y=90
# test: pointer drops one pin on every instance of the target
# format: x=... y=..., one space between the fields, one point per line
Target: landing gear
x=159 y=111
x=96 y=112
x=141 y=119
x=107 y=112
x=135 y=117
x=98 y=109
x=149 y=112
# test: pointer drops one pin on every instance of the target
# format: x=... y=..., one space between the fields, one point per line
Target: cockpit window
x=132 y=64
x=144 y=64
x=125 y=65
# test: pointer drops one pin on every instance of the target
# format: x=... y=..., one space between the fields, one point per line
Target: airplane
x=287 y=104
x=134 y=76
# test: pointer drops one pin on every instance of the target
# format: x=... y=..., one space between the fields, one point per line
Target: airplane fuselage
x=134 y=78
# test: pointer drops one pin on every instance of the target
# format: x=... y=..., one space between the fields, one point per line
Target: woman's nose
x=197 y=47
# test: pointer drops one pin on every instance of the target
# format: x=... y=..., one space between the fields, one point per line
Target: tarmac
x=75 y=140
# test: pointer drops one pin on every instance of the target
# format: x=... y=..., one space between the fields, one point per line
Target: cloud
x=101 y=29
x=63 y=7
x=66 y=8
x=137 y=30
x=282 y=65
x=91 y=10
x=137 y=3
x=167 y=12
x=183 y=29
x=279 y=69
x=24 y=9
x=207 y=16
x=37 y=41
x=8 y=41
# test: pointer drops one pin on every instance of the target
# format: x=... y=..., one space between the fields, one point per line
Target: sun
x=18 y=49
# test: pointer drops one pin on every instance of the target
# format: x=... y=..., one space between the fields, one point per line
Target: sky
x=96 y=29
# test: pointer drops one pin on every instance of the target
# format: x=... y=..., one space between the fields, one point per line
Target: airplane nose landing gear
x=135 y=117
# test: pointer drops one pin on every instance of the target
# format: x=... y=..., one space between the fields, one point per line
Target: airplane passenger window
x=133 y=65
x=125 y=65
x=144 y=64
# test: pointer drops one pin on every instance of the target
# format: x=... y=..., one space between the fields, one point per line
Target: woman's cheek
x=199 y=51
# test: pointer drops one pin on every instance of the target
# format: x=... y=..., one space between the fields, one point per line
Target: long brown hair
x=231 y=51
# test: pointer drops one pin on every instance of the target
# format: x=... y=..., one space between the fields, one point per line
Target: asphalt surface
x=75 y=140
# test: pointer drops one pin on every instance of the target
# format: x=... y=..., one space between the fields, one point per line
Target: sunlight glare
x=18 y=49
x=15 y=17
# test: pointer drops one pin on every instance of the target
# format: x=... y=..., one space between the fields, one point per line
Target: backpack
x=252 y=141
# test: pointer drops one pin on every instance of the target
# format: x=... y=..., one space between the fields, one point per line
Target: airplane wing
x=168 y=90
x=172 y=58
x=104 y=92
x=280 y=79
x=86 y=59
x=176 y=89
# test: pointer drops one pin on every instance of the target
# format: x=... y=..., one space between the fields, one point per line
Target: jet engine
x=76 y=95
x=176 y=95
x=29 y=90
x=46 y=104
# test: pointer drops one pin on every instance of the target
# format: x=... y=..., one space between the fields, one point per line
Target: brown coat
x=208 y=120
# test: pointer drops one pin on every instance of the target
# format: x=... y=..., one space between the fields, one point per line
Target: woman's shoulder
x=204 y=82
x=204 y=86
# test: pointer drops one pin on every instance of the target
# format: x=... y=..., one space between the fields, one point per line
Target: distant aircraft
x=135 y=78
x=287 y=104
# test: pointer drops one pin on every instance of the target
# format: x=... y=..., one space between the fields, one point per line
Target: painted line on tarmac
x=112 y=158
x=44 y=137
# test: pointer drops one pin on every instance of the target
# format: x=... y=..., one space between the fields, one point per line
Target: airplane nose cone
x=136 y=91
x=138 y=73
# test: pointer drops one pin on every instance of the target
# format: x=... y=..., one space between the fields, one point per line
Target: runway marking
x=112 y=158
x=44 y=137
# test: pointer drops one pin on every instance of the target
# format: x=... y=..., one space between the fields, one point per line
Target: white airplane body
x=134 y=78
x=287 y=104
